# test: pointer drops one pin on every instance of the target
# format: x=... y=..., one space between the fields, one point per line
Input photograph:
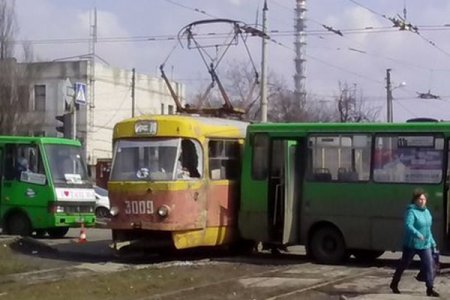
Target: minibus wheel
x=18 y=224
x=327 y=245
x=57 y=232
x=364 y=255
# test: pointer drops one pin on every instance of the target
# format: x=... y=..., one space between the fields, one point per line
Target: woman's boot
x=432 y=293
x=394 y=287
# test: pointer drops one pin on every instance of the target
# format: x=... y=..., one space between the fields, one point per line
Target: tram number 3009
x=140 y=207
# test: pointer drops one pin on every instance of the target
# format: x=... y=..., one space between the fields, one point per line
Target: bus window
x=339 y=157
x=66 y=164
x=260 y=154
x=224 y=159
x=409 y=159
x=21 y=159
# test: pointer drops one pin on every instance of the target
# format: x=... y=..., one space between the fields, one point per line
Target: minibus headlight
x=114 y=211
x=53 y=209
x=163 y=211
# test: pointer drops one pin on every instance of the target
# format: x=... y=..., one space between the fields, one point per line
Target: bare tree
x=8 y=28
x=351 y=108
x=15 y=79
x=242 y=88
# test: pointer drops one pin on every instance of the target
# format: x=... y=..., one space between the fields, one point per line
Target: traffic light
x=66 y=127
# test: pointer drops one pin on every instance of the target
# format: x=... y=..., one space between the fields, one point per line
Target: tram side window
x=190 y=159
x=260 y=156
x=408 y=159
x=224 y=159
x=343 y=158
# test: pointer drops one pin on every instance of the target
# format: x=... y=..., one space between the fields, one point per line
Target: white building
x=108 y=100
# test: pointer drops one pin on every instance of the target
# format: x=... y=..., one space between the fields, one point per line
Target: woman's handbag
x=436 y=267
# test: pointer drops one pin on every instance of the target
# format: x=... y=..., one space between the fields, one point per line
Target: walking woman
x=418 y=239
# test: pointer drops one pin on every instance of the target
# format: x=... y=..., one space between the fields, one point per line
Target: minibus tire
x=57 y=232
x=327 y=246
x=18 y=224
x=365 y=255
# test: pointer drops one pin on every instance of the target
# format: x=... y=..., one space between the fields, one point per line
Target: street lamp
x=389 y=89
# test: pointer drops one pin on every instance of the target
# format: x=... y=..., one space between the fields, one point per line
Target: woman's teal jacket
x=418 y=233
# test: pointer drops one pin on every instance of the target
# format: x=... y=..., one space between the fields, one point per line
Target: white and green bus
x=44 y=186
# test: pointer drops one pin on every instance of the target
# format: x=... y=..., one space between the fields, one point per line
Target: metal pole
x=74 y=117
x=389 y=115
x=133 y=84
x=263 y=67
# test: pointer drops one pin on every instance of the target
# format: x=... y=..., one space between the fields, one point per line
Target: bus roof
x=295 y=129
x=38 y=139
x=183 y=126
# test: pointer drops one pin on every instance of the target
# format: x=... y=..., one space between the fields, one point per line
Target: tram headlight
x=163 y=211
x=114 y=211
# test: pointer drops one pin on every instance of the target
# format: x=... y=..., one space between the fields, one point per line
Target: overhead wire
x=191 y=8
x=413 y=30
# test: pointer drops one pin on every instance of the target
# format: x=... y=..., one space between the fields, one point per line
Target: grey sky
x=360 y=57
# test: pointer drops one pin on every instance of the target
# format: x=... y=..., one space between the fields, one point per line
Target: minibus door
x=281 y=190
x=290 y=212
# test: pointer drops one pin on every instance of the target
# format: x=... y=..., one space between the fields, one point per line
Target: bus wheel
x=327 y=246
x=40 y=233
x=242 y=247
x=364 y=255
x=18 y=224
x=57 y=232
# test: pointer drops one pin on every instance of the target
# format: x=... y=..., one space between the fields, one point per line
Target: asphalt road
x=294 y=277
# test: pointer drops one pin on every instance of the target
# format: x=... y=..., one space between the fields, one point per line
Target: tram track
x=266 y=285
x=208 y=285
x=320 y=285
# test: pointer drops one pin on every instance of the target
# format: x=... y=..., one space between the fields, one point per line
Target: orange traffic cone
x=82 y=238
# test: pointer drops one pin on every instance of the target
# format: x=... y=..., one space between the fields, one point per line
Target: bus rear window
x=408 y=159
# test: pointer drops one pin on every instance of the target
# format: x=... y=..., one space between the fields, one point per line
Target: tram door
x=282 y=192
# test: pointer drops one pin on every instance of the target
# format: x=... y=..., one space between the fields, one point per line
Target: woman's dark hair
x=416 y=194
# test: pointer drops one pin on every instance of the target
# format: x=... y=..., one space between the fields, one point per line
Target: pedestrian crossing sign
x=80 y=93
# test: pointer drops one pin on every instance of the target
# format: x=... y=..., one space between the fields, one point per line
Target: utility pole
x=389 y=115
x=133 y=85
x=263 y=67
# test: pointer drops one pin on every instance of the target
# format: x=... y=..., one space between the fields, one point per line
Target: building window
x=170 y=109
x=39 y=133
x=39 y=97
x=162 y=108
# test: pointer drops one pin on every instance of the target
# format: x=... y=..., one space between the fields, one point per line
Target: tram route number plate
x=139 y=207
